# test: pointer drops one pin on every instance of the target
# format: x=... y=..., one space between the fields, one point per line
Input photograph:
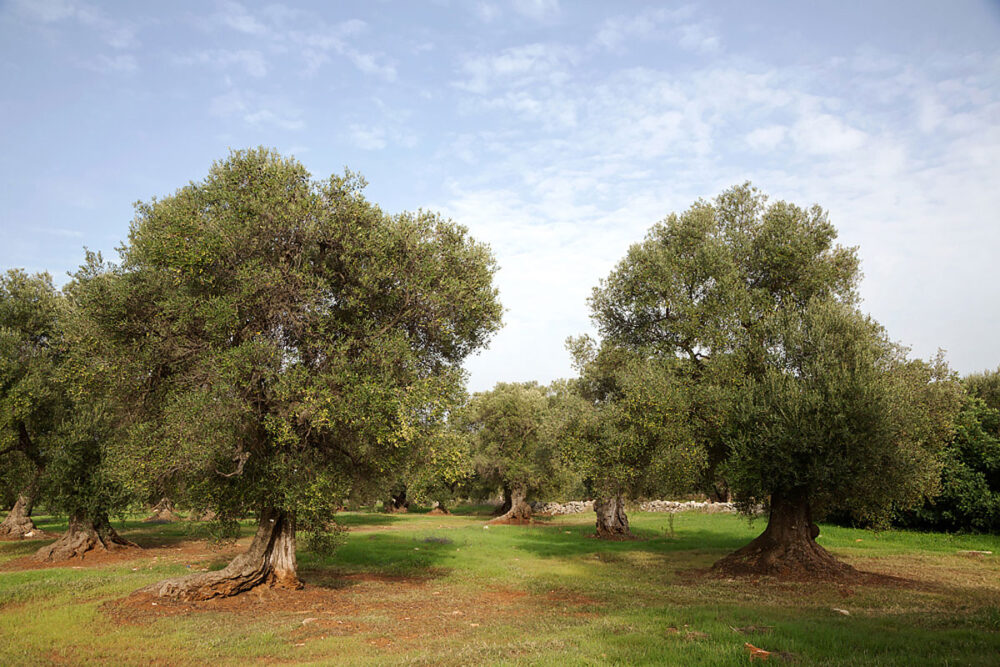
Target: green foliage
x=276 y=341
x=969 y=498
x=34 y=404
x=985 y=386
x=625 y=423
x=791 y=390
x=841 y=413
x=514 y=438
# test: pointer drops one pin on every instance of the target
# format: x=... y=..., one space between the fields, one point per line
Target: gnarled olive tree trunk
x=398 y=501
x=163 y=512
x=519 y=509
x=612 y=522
x=504 y=506
x=270 y=561
x=787 y=547
x=83 y=536
x=18 y=524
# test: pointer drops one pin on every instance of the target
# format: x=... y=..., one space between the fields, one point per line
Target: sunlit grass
x=427 y=589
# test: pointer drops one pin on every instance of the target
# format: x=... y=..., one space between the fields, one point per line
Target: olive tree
x=799 y=400
x=32 y=400
x=514 y=445
x=625 y=429
x=280 y=341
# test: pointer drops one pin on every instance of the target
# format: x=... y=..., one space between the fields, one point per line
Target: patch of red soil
x=194 y=553
x=400 y=611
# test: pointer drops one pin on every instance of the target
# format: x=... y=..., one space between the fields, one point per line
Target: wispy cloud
x=311 y=37
x=538 y=10
x=256 y=110
x=250 y=61
x=116 y=33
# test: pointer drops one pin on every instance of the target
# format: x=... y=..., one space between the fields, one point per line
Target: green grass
x=423 y=589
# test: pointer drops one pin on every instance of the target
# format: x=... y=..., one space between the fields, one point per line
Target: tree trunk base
x=270 y=561
x=519 y=512
x=787 y=548
x=163 y=512
x=612 y=522
x=801 y=559
x=83 y=537
x=18 y=524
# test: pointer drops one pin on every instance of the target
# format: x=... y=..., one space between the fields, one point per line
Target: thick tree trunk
x=163 y=512
x=519 y=509
x=18 y=524
x=439 y=508
x=787 y=547
x=612 y=522
x=270 y=561
x=507 y=503
x=84 y=536
x=398 y=501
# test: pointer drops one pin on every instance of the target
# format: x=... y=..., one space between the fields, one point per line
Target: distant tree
x=627 y=430
x=799 y=401
x=444 y=468
x=969 y=497
x=514 y=445
x=77 y=477
x=984 y=386
x=33 y=402
x=281 y=341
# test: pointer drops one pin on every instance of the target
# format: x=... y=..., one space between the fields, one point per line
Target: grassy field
x=422 y=589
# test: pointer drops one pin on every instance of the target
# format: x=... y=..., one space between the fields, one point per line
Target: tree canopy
x=799 y=400
x=277 y=339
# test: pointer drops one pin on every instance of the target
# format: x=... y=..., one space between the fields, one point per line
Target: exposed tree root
x=519 y=512
x=270 y=561
x=82 y=537
x=787 y=548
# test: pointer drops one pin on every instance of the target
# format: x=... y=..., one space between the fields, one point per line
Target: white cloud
x=486 y=11
x=519 y=66
x=235 y=16
x=252 y=62
x=826 y=134
x=618 y=31
x=697 y=37
x=116 y=33
x=538 y=10
x=561 y=202
x=118 y=64
x=766 y=138
x=256 y=110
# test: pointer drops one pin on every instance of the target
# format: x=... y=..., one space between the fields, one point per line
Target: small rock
x=307 y=621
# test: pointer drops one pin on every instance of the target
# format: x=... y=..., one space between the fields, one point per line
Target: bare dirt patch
x=394 y=611
x=193 y=552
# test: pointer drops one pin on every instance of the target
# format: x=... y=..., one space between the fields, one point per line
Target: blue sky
x=558 y=132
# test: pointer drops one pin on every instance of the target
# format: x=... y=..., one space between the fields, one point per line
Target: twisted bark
x=787 y=547
x=163 y=512
x=612 y=522
x=84 y=536
x=520 y=511
x=18 y=524
x=270 y=561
